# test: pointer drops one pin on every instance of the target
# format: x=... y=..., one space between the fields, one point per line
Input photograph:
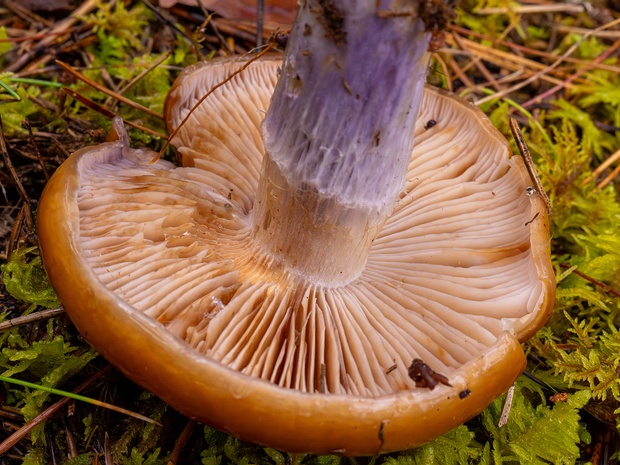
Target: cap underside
x=459 y=272
x=451 y=270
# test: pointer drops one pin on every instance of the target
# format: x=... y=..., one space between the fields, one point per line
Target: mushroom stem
x=339 y=134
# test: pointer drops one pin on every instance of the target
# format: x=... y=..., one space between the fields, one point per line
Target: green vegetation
x=577 y=353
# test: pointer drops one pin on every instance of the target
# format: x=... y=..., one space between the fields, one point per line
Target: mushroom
x=252 y=296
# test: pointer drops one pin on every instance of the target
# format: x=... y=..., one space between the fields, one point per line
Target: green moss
x=50 y=361
x=26 y=280
x=118 y=29
x=14 y=112
x=531 y=433
x=453 y=448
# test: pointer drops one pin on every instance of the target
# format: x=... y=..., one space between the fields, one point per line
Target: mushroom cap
x=156 y=267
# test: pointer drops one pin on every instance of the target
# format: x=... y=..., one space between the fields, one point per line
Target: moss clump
x=25 y=279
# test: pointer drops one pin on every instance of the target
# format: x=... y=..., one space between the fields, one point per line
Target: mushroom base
x=309 y=235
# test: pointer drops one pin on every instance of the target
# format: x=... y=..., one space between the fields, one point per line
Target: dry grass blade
x=603 y=166
x=107 y=91
x=580 y=30
x=107 y=113
x=143 y=73
x=547 y=69
x=506 y=60
x=609 y=178
x=580 y=71
x=483 y=69
x=533 y=9
x=535 y=52
x=460 y=74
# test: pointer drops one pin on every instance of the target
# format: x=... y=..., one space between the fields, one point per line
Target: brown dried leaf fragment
x=424 y=376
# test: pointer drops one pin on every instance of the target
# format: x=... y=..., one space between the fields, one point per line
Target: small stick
x=480 y=65
x=62 y=148
x=209 y=21
x=26 y=319
x=503 y=419
x=24 y=214
x=107 y=91
x=37 y=152
x=478 y=56
x=26 y=14
x=219 y=36
x=9 y=165
x=529 y=162
x=107 y=453
x=165 y=19
x=180 y=444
